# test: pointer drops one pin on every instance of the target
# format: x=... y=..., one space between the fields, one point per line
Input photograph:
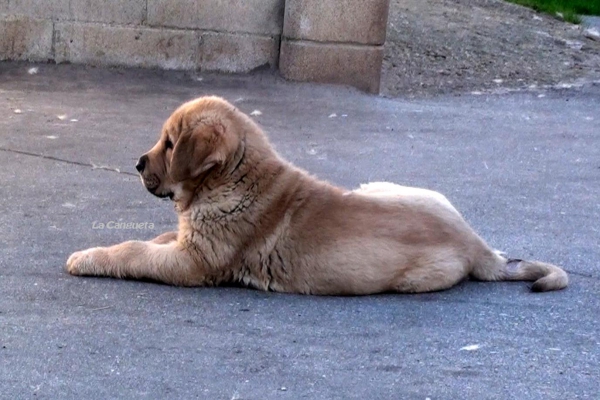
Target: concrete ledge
x=231 y=16
x=328 y=41
x=46 y=9
x=358 y=66
x=348 y=21
x=237 y=53
x=135 y=47
x=25 y=38
x=99 y=44
x=113 y=12
x=116 y=12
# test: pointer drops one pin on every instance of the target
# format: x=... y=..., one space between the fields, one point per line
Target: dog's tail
x=493 y=266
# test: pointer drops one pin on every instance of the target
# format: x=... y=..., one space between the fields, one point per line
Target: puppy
x=247 y=216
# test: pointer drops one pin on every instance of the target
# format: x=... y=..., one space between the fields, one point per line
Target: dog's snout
x=141 y=164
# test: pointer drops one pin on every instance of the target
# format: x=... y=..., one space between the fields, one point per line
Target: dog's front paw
x=85 y=262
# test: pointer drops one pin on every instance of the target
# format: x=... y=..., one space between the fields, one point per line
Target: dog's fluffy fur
x=247 y=216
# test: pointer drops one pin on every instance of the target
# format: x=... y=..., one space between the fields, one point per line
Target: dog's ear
x=196 y=151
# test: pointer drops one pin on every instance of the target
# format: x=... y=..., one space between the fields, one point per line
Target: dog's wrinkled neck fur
x=235 y=173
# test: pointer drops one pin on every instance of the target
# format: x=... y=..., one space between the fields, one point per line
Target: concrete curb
x=316 y=40
x=325 y=41
x=355 y=65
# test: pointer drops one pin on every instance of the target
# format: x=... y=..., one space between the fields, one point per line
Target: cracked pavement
x=523 y=168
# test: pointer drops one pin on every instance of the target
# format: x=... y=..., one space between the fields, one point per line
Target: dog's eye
x=168 y=144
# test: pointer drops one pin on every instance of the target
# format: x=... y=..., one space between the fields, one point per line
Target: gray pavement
x=591 y=21
x=524 y=168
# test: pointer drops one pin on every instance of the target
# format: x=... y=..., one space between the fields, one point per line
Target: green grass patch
x=570 y=9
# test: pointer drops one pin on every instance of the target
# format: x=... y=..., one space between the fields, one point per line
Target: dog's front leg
x=168 y=263
x=165 y=238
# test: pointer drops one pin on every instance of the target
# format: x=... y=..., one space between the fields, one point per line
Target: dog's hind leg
x=432 y=274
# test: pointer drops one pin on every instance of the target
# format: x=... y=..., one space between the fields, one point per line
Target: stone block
x=43 y=9
x=354 y=65
x=98 y=44
x=344 y=21
x=23 y=38
x=125 y=12
x=234 y=16
x=237 y=53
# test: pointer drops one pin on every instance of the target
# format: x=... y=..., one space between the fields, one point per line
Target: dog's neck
x=237 y=174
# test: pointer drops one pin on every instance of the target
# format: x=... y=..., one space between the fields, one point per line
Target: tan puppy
x=247 y=216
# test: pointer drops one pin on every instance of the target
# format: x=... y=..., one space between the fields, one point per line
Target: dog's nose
x=141 y=164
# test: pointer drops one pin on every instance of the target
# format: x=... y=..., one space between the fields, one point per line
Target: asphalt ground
x=523 y=168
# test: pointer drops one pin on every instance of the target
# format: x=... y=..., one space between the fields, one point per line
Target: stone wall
x=333 y=41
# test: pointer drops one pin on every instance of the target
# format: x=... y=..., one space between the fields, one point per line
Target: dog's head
x=199 y=138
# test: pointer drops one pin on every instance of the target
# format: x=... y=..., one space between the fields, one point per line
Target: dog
x=248 y=217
